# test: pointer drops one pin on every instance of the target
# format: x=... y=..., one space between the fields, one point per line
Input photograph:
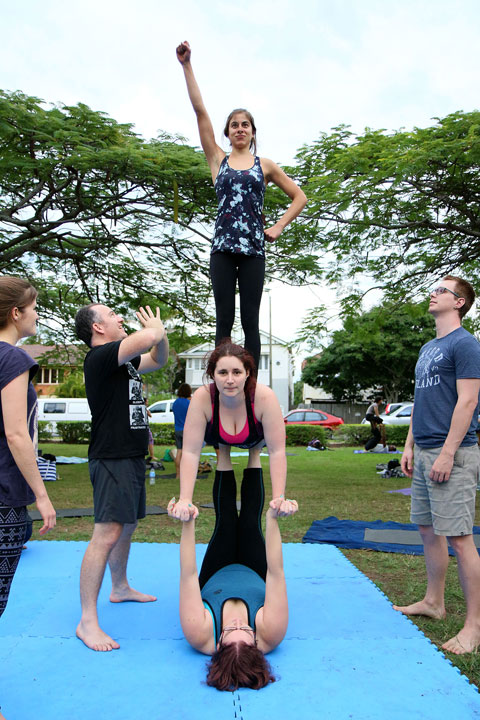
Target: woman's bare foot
x=95 y=639
x=128 y=594
x=464 y=642
x=422 y=608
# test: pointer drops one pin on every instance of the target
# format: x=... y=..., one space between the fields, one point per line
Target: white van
x=55 y=409
x=162 y=411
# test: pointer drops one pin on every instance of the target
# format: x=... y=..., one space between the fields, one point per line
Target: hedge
x=302 y=434
x=359 y=434
x=163 y=433
x=45 y=431
x=74 y=431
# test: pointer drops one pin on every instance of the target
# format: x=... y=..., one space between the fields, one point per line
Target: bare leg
x=104 y=537
x=254 y=457
x=436 y=561
x=118 y=559
x=178 y=457
x=223 y=458
x=468 y=639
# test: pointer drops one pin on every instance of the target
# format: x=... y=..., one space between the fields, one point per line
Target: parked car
x=302 y=416
x=391 y=410
x=391 y=407
x=162 y=411
x=53 y=410
x=400 y=416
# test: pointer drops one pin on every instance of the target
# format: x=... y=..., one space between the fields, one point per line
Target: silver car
x=399 y=416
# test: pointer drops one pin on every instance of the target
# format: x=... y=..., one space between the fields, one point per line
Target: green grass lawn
x=336 y=482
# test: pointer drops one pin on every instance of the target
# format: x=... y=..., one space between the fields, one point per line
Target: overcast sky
x=300 y=66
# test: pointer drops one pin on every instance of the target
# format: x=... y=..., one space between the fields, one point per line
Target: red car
x=313 y=417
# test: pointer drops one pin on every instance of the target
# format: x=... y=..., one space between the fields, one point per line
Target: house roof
x=56 y=354
x=238 y=337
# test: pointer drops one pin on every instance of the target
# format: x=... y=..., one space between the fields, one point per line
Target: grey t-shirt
x=440 y=364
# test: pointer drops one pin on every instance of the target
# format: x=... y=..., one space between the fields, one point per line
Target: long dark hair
x=239 y=665
x=253 y=141
x=227 y=348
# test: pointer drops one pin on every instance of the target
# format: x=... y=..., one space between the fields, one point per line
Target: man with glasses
x=443 y=441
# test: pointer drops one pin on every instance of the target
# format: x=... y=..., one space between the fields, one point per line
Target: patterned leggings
x=13 y=523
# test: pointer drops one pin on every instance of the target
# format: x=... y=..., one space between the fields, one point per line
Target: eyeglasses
x=440 y=290
x=227 y=630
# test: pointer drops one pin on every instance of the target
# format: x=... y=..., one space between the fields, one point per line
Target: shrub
x=45 y=431
x=163 y=433
x=74 y=431
x=302 y=434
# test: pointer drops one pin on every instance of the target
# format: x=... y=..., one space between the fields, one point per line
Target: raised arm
x=14 y=410
x=194 y=618
x=193 y=435
x=272 y=620
x=213 y=152
x=273 y=173
x=152 y=336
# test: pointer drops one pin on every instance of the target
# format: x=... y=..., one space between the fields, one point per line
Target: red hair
x=228 y=349
x=239 y=665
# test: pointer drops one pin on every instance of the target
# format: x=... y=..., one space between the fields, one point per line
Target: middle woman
x=234 y=410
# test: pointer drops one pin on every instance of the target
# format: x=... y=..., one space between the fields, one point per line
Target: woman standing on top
x=238 y=243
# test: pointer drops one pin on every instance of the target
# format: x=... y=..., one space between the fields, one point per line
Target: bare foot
x=422 y=608
x=128 y=594
x=95 y=639
x=464 y=642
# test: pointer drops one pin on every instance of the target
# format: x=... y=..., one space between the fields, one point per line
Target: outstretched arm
x=153 y=335
x=273 y=173
x=193 y=616
x=193 y=435
x=274 y=620
x=213 y=152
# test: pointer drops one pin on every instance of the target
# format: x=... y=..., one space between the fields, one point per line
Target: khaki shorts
x=448 y=506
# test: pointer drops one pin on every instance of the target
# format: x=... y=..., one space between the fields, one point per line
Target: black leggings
x=225 y=269
x=13 y=523
x=236 y=538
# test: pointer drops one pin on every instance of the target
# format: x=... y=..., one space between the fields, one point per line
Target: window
x=194 y=363
x=50 y=376
x=405 y=412
x=55 y=407
x=296 y=417
x=309 y=416
x=263 y=363
x=159 y=407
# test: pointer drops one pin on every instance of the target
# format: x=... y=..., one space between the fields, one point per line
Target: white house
x=282 y=365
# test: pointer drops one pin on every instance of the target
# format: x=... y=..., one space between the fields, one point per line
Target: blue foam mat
x=347 y=653
x=350 y=534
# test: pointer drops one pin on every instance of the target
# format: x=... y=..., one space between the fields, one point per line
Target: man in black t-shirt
x=116 y=455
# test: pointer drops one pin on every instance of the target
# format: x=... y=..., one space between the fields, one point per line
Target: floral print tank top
x=239 y=224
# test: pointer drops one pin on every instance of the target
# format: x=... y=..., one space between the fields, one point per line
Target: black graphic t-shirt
x=119 y=417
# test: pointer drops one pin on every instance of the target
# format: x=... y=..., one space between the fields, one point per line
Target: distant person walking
x=442 y=455
x=180 y=409
x=240 y=178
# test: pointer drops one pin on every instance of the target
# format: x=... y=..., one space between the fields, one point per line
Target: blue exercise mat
x=386 y=536
x=347 y=653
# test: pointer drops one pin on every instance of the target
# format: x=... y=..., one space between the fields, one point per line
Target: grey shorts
x=449 y=506
x=179 y=439
x=118 y=489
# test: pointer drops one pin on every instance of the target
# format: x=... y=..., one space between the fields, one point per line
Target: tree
x=376 y=349
x=91 y=212
x=402 y=208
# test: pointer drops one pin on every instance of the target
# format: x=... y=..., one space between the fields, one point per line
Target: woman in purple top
x=238 y=244
x=20 y=481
